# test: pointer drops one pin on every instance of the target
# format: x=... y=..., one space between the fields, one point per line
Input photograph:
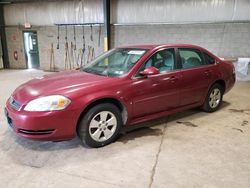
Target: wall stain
x=187 y=123
x=238 y=129
x=139 y=132
x=239 y=110
x=244 y=123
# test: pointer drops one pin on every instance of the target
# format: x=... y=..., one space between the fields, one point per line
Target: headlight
x=48 y=103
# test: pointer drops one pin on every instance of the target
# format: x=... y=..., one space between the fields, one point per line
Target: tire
x=214 y=98
x=100 y=126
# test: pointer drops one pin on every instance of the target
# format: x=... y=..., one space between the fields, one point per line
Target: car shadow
x=128 y=133
x=48 y=145
x=147 y=129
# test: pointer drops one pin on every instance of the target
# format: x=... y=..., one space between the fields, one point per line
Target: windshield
x=114 y=63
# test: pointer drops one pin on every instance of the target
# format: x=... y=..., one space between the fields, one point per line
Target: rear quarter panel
x=222 y=70
x=228 y=74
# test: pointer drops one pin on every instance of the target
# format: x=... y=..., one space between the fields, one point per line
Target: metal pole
x=106 y=15
x=3 y=39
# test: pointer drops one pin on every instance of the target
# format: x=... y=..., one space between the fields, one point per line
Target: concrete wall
x=14 y=39
x=230 y=40
x=46 y=36
x=224 y=40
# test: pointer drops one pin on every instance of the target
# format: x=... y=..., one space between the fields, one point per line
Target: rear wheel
x=214 y=98
x=100 y=125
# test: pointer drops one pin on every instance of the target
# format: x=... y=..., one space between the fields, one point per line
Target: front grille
x=36 y=132
x=14 y=104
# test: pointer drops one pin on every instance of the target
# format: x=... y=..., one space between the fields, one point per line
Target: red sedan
x=123 y=87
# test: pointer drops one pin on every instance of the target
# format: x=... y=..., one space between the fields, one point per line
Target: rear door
x=159 y=92
x=196 y=76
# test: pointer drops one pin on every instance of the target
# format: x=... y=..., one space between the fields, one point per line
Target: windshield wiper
x=93 y=72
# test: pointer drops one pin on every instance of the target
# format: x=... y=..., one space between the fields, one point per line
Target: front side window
x=163 y=60
x=190 y=58
x=115 y=63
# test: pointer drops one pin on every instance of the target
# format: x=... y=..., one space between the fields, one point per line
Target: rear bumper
x=49 y=126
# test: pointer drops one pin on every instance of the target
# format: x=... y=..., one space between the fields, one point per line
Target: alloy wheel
x=102 y=126
x=214 y=98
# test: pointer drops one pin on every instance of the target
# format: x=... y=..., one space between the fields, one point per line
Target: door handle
x=207 y=72
x=173 y=78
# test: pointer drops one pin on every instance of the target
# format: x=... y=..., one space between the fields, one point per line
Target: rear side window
x=208 y=59
x=190 y=58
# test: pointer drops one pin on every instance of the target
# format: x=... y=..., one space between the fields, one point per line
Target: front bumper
x=49 y=126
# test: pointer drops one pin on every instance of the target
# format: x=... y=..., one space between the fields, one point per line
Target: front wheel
x=213 y=99
x=100 y=125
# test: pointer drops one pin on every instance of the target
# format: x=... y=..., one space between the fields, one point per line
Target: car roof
x=140 y=46
x=153 y=46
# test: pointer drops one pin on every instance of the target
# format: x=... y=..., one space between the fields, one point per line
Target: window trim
x=161 y=49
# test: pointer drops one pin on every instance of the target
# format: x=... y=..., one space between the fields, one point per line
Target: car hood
x=62 y=83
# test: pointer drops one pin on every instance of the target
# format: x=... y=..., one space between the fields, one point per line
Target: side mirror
x=149 y=71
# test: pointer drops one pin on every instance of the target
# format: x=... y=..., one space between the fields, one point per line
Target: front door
x=160 y=92
x=31 y=49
